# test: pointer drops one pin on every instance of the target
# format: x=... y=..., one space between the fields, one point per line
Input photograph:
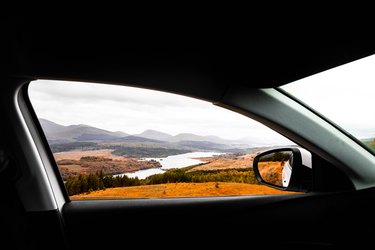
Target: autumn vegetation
x=174 y=190
x=76 y=163
x=99 y=181
x=99 y=174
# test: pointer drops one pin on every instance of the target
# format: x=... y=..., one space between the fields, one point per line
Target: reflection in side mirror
x=274 y=168
x=285 y=168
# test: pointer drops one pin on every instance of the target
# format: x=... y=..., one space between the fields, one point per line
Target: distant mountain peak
x=194 y=137
x=154 y=135
x=57 y=134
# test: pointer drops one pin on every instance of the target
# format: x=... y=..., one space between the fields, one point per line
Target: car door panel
x=280 y=220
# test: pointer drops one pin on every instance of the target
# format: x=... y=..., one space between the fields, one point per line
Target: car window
x=345 y=95
x=117 y=142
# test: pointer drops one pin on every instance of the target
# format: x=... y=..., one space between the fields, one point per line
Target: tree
x=100 y=179
x=93 y=182
x=73 y=186
x=84 y=186
x=108 y=181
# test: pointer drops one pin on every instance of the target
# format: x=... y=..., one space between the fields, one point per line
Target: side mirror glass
x=285 y=168
x=275 y=168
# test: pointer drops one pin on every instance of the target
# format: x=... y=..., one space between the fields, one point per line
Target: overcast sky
x=345 y=94
x=133 y=110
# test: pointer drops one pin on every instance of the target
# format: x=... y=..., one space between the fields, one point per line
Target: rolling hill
x=57 y=133
x=154 y=135
x=84 y=136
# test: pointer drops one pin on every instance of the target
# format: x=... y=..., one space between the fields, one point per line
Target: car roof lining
x=198 y=68
x=185 y=75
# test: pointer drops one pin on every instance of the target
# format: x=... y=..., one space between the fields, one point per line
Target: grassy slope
x=225 y=162
x=180 y=190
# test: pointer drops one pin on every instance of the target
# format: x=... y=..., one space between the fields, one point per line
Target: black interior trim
x=118 y=52
x=65 y=47
x=309 y=219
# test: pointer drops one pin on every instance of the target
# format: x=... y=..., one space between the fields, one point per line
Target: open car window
x=117 y=142
x=345 y=95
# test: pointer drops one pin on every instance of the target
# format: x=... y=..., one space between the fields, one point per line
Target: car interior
x=36 y=212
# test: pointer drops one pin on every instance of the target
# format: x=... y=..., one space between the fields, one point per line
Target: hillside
x=155 y=135
x=57 y=133
x=84 y=132
x=75 y=163
x=229 y=161
x=190 y=137
x=132 y=138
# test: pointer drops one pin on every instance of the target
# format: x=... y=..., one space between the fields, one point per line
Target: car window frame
x=45 y=147
x=249 y=113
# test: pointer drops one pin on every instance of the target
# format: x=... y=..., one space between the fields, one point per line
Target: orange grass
x=180 y=190
x=271 y=171
x=220 y=163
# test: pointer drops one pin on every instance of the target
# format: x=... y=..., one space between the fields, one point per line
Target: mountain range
x=58 y=134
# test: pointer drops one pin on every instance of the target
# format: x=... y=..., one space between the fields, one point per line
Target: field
x=180 y=190
x=76 y=155
x=89 y=175
x=271 y=172
x=74 y=163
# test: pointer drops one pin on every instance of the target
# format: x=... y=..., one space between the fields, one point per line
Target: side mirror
x=288 y=169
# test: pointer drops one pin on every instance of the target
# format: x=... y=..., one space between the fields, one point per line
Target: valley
x=75 y=163
x=95 y=163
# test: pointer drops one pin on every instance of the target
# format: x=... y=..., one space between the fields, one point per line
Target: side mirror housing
x=288 y=169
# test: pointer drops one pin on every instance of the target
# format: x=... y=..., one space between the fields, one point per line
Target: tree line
x=182 y=175
x=278 y=156
x=99 y=181
x=146 y=152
